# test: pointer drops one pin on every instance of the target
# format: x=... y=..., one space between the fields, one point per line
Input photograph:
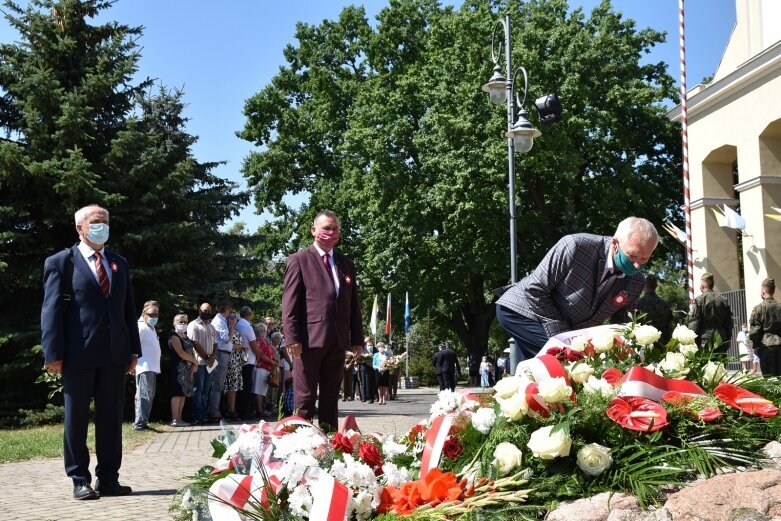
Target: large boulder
x=730 y=497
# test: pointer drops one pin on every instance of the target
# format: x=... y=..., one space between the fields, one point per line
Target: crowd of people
x=227 y=366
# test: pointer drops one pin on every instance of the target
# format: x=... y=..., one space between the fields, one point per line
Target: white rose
x=548 y=446
x=554 y=390
x=688 y=350
x=646 y=335
x=508 y=386
x=515 y=407
x=599 y=385
x=713 y=372
x=506 y=457
x=683 y=334
x=579 y=343
x=483 y=419
x=673 y=363
x=603 y=342
x=594 y=459
x=580 y=372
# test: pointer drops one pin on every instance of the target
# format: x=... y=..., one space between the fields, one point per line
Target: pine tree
x=79 y=129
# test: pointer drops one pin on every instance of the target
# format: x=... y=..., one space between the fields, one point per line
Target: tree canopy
x=384 y=123
x=78 y=128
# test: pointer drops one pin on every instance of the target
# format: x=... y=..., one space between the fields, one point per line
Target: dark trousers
x=368 y=383
x=441 y=380
x=769 y=360
x=323 y=368
x=244 y=402
x=107 y=385
x=449 y=379
x=529 y=334
x=347 y=385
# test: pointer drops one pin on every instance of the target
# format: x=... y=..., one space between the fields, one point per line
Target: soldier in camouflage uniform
x=765 y=332
x=711 y=313
x=657 y=311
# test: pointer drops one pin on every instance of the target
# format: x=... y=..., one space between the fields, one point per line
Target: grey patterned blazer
x=564 y=291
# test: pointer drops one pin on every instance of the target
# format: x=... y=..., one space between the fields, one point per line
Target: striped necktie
x=102 y=275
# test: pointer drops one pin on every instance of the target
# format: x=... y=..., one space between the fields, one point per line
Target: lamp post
x=520 y=132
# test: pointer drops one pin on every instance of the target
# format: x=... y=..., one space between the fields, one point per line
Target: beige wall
x=736 y=121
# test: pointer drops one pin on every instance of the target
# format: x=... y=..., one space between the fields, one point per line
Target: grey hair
x=275 y=335
x=260 y=327
x=637 y=226
x=81 y=213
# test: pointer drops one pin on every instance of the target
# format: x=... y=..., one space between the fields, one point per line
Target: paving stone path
x=39 y=491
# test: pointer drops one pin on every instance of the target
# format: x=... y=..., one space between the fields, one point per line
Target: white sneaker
x=179 y=423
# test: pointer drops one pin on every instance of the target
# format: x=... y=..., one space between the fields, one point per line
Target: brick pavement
x=39 y=491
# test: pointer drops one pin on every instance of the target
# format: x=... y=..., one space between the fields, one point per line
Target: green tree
x=78 y=130
x=385 y=124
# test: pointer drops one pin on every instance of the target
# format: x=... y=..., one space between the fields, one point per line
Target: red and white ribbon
x=436 y=436
x=329 y=499
x=639 y=381
x=542 y=368
x=234 y=491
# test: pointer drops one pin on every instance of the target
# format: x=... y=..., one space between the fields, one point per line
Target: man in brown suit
x=321 y=316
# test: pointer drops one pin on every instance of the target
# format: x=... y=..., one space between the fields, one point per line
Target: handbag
x=273 y=377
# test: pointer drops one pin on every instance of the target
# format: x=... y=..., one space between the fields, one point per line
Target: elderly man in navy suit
x=321 y=315
x=89 y=335
x=583 y=280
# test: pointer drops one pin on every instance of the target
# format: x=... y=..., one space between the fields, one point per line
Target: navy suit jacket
x=564 y=292
x=90 y=330
x=312 y=314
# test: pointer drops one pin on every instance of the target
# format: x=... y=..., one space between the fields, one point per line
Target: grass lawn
x=46 y=441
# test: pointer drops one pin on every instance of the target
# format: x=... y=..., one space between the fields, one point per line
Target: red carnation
x=612 y=376
x=370 y=454
x=744 y=400
x=342 y=443
x=452 y=448
x=637 y=413
x=416 y=431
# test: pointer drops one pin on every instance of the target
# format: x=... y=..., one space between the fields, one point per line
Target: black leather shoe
x=114 y=489
x=84 y=491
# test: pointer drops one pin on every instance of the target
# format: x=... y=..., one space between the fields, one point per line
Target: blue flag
x=407 y=315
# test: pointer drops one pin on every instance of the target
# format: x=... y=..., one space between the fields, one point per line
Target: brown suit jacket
x=312 y=314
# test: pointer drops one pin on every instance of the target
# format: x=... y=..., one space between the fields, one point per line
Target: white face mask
x=181 y=328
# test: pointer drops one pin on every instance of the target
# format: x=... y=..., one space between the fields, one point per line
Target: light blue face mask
x=98 y=233
x=152 y=321
x=622 y=262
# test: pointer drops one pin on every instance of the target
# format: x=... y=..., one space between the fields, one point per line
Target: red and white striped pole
x=685 y=135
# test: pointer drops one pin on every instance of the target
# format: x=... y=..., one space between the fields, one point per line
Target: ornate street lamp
x=520 y=132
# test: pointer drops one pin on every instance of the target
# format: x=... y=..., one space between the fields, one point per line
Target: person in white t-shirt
x=243 y=399
x=148 y=366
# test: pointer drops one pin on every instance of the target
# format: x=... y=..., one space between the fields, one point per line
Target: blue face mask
x=622 y=262
x=152 y=321
x=98 y=233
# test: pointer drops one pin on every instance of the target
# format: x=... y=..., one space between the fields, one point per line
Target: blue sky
x=221 y=53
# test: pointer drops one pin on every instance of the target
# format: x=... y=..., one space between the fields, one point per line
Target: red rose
x=565 y=354
x=452 y=448
x=744 y=400
x=370 y=454
x=342 y=443
x=612 y=376
x=637 y=413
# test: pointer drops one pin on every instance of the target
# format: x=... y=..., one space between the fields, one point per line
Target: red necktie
x=102 y=275
x=327 y=262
